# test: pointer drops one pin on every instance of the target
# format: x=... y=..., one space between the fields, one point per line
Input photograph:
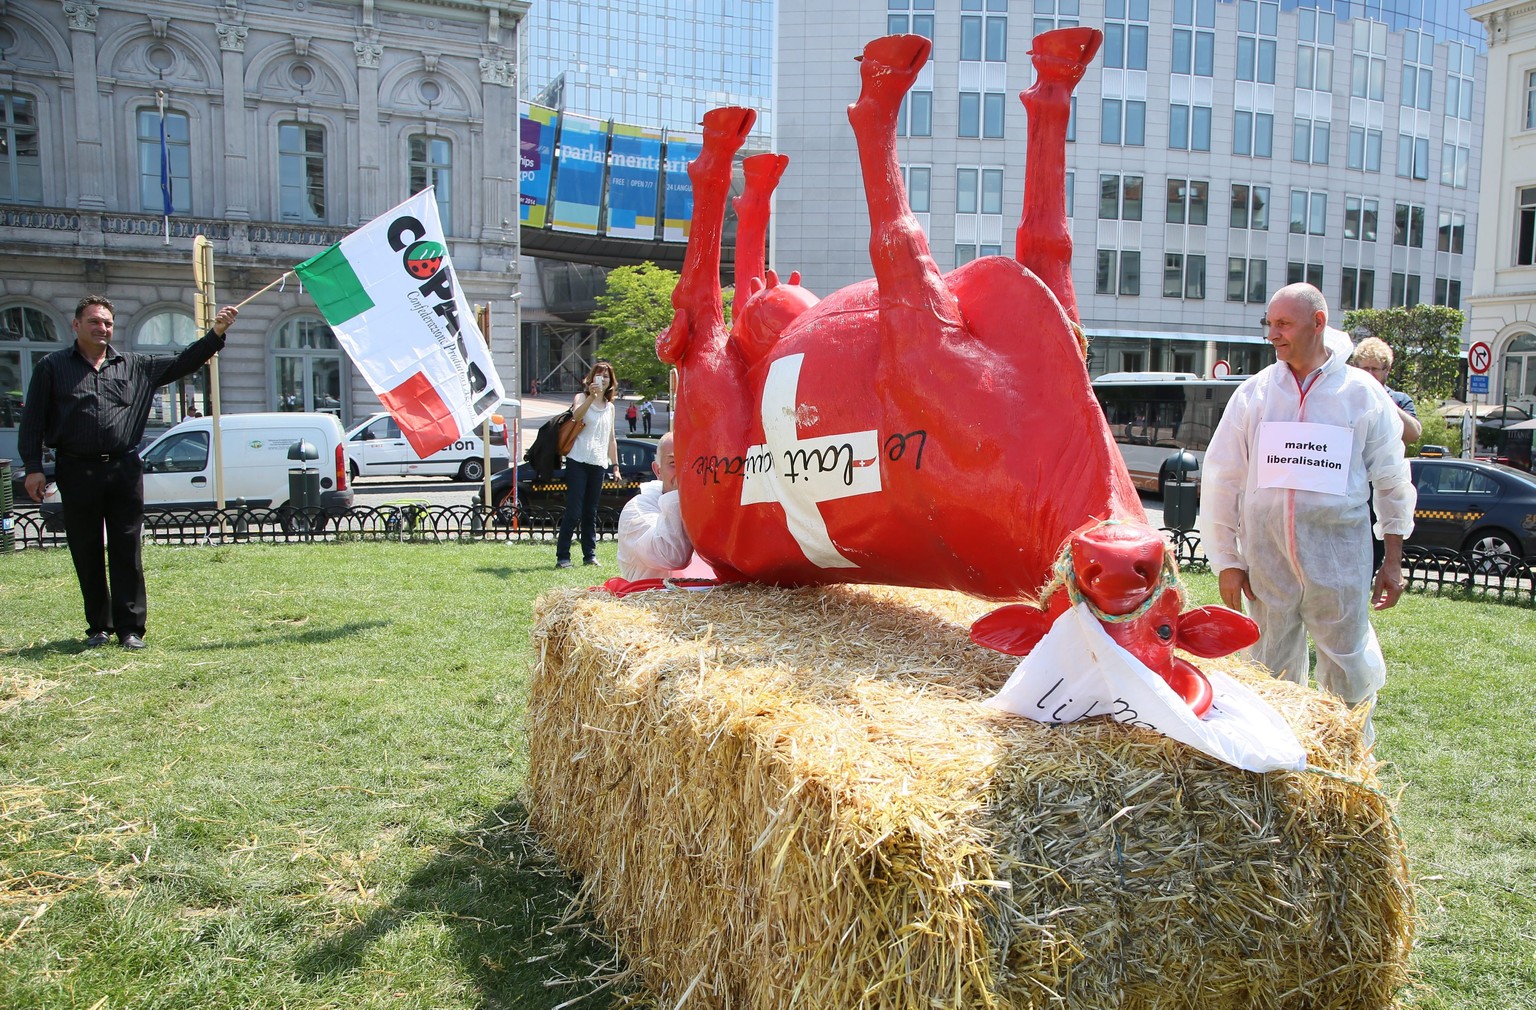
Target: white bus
x=1156 y=414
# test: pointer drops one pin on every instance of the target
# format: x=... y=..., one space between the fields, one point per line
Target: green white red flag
x=389 y=292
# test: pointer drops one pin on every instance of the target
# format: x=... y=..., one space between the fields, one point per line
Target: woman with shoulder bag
x=594 y=454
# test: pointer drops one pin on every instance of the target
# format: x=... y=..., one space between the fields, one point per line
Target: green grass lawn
x=304 y=793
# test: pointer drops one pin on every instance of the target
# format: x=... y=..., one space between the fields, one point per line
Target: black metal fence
x=1429 y=570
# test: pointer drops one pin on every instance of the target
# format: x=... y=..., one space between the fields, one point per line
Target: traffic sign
x=1479 y=357
x=1479 y=384
x=1221 y=369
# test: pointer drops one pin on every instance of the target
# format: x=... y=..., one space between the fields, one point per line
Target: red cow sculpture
x=919 y=429
x=1126 y=575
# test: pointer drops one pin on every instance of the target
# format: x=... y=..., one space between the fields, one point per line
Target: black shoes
x=593 y=562
x=132 y=642
x=563 y=563
x=98 y=639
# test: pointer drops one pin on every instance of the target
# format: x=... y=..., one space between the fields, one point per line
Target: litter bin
x=303 y=481
x=1181 y=498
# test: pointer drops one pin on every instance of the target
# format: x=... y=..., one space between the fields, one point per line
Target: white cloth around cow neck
x=1077 y=671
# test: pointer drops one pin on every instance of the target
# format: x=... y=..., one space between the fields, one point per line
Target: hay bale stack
x=793 y=798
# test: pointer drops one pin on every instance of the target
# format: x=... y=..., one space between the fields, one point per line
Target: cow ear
x=1012 y=630
x=1215 y=631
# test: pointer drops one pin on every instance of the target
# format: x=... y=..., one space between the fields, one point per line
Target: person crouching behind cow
x=1283 y=504
x=652 y=541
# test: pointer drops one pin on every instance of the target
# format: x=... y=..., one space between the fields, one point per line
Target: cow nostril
x=1145 y=574
x=1165 y=632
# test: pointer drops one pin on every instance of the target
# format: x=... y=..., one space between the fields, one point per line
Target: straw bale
x=793 y=798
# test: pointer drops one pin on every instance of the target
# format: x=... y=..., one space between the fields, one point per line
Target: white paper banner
x=1304 y=456
x=1077 y=671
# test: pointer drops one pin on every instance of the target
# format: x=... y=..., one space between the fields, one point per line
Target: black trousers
x=106 y=496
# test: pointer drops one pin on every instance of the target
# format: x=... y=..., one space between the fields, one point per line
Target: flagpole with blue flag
x=165 y=167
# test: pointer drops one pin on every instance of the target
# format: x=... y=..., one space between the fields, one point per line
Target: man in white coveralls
x=1284 y=499
x=652 y=541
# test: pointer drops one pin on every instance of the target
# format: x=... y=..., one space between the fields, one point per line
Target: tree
x=1425 y=342
x=632 y=311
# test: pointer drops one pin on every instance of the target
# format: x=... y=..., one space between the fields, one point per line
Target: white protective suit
x=652 y=541
x=1308 y=553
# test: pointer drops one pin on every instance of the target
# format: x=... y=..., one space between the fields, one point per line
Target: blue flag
x=165 y=162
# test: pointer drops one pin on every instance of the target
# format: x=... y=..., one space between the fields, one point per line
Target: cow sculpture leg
x=915 y=303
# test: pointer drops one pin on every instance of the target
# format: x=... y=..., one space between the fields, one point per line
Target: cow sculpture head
x=1125 y=573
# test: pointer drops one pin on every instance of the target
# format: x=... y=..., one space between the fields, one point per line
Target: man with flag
x=90 y=402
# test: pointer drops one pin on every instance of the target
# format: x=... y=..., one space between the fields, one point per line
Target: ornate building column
x=88 y=139
x=370 y=132
x=236 y=136
x=499 y=147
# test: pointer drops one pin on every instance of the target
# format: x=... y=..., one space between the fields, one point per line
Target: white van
x=379 y=449
x=178 y=466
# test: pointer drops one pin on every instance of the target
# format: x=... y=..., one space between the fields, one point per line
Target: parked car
x=635 y=458
x=378 y=448
x=1485 y=510
x=178 y=466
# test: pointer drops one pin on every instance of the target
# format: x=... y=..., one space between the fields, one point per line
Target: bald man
x=1301 y=449
x=652 y=541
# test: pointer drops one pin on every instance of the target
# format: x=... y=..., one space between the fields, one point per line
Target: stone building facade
x=288 y=124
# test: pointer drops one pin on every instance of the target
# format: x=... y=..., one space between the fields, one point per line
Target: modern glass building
x=651 y=62
x=1218 y=150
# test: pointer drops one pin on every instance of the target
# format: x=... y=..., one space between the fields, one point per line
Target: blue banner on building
x=583 y=154
x=634 y=177
x=682 y=148
x=536 y=162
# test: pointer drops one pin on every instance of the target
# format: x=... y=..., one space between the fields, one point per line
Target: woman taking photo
x=594 y=454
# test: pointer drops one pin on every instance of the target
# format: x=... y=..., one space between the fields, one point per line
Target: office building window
x=970 y=114
x=301 y=172
x=1304 y=273
x=1246 y=281
x=1418 y=69
x=1183 y=275
x=984 y=33
x=1314 y=52
x=1408 y=226
x=1257 y=25
x=993 y=105
x=1448 y=292
x=1125 y=34
x=1455 y=161
x=1364 y=149
x=1412 y=157
x=1250 y=207
x=1053 y=14
x=1120 y=197
x=1310 y=142
x=1530 y=100
x=1452 y=232
x=966 y=190
x=1188 y=201
x=919 y=183
x=1124 y=122
x=964 y=254
x=1368 y=69
x=1309 y=212
x=21 y=164
x=1461 y=61
x=431 y=164
x=1194 y=40
x=1359 y=291
x=1189 y=127
x=1525 y=228
x=1253 y=133
x=916 y=116
x=909 y=17
x=1119 y=272
x=1360 y=218
x=1071 y=191
x=1072 y=122
x=178 y=146
x=1405 y=290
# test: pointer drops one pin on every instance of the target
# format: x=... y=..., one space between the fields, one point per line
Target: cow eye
x=1165 y=632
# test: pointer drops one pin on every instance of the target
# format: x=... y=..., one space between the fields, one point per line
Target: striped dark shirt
x=83 y=411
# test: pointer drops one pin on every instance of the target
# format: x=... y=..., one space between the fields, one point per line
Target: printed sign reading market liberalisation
x=389 y=292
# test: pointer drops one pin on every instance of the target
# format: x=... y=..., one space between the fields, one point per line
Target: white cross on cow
x=799 y=473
